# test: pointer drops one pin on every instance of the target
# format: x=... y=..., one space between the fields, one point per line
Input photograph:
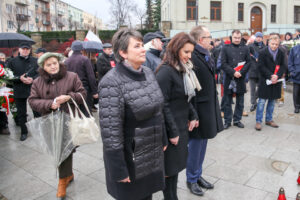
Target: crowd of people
x=157 y=99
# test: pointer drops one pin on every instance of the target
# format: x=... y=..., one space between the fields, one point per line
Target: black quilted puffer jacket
x=132 y=129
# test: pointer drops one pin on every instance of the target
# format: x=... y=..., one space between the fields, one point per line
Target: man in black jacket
x=257 y=46
x=207 y=106
x=24 y=68
x=106 y=61
x=82 y=66
x=232 y=57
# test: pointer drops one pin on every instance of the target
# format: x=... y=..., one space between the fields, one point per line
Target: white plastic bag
x=84 y=130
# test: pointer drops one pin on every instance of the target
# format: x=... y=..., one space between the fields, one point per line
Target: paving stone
x=261 y=164
x=93 y=193
x=225 y=157
x=232 y=174
x=287 y=156
x=85 y=163
x=98 y=175
x=225 y=190
x=272 y=182
x=21 y=185
x=255 y=149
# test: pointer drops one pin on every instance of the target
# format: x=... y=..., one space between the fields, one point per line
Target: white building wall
x=175 y=12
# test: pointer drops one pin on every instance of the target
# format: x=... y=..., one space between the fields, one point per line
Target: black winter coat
x=231 y=55
x=104 y=64
x=152 y=59
x=132 y=127
x=267 y=66
x=82 y=66
x=19 y=66
x=206 y=101
x=255 y=48
x=177 y=112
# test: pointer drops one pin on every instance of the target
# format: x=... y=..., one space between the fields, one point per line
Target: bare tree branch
x=120 y=11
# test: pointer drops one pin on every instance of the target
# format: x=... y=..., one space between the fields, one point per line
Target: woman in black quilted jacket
x=178 y=83
x=132 y=123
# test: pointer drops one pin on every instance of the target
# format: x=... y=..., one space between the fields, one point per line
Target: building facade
x=222 y=16
x=43 y=15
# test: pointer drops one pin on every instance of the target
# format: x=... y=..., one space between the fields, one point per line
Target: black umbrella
x=92 y=46
x=9 y=40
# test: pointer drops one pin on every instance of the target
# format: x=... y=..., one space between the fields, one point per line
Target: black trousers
x=296 y=95
x=66 y=167
x=21 y=104
x=3 y=120
x=170 y=191
x=238 y=111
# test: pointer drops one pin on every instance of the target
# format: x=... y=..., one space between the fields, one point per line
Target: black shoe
x=296 y=110
x=238 y=124
x=253 y=107
x=195 y=189
x=204 y=184
x=226 y=126
x=23 y=137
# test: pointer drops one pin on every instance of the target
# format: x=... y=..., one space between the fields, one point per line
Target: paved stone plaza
x=242 y=163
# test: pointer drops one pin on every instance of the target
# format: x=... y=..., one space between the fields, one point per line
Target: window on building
x=273 y=13
x=191 y=10
x=297 y=14
x=8 y=8
x=215 y=10
x=241 y=12
x=10 y=24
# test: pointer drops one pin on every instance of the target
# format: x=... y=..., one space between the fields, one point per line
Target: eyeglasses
x=210 y=37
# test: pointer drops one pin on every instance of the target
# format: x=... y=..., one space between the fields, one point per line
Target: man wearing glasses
x=207 y=106
x=235 y=62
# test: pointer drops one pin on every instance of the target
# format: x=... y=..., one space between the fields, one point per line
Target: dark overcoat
x=231 y=55
x=19 y=66
x=267 y=65
x=206 y=101
x=132 y=127
x=254 y=52
x=177 y=112
x=104 y=64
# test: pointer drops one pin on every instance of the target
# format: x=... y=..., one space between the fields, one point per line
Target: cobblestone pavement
x=242 y=163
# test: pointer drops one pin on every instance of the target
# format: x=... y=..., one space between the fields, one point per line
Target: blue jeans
x=197 y=150
x=238 y=111
x=260 y=110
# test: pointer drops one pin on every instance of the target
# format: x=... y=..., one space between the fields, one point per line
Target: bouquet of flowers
x=7 y=102
x=291 y=43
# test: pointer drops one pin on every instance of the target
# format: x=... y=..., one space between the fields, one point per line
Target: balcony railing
x=22 y=2
x=61 y=13
x=45 y=10
x=22 y=17
x=45 y=0
x=60 y=24
x=46 y=22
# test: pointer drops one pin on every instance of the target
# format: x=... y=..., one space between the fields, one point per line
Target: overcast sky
x=99 y=7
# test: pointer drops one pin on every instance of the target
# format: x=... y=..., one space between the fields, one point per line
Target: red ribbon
x=112 y=63
x=276 y=69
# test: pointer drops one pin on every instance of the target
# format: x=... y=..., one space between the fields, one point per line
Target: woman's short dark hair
x=171 y=56
x=120 y=41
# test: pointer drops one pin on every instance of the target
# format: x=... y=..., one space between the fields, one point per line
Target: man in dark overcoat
x=272 y=65
x=207 y=106
x=253 y=71
x=294 y=69
x=24 y=67
x=234 y=82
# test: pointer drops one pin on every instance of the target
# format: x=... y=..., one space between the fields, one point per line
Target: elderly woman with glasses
x=132 y=122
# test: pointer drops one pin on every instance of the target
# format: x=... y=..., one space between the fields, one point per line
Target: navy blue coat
x=294 y=64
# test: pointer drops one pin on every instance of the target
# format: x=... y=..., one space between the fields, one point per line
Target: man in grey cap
x=83 y=67
x=106 y=61
x=297 y=34
x=24 y=66
x=153 y=46
x=40 y=51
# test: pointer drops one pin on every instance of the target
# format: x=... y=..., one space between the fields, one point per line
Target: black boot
x=195 y=189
